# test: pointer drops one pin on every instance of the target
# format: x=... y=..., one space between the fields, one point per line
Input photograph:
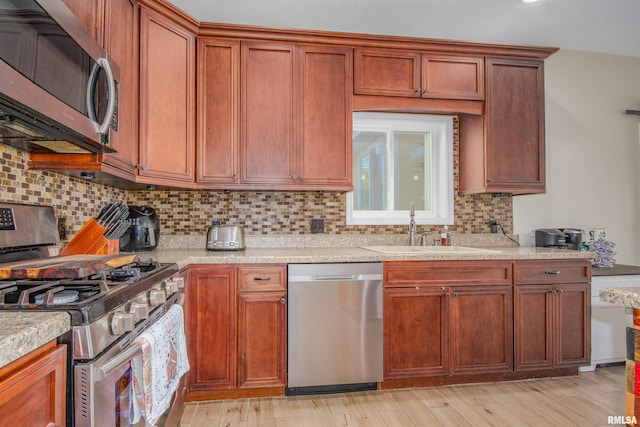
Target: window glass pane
x=410 y=174
x=370 y=171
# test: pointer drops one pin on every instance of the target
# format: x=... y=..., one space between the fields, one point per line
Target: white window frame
x=440 y=129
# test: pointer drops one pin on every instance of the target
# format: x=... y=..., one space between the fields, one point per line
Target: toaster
x=225 y=237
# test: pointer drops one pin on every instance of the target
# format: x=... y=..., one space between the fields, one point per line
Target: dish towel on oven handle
x=158 y=369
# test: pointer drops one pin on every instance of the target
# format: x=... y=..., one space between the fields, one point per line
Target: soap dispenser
x=444 y=236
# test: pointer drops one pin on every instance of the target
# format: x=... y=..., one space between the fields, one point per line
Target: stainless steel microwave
x=58 y=87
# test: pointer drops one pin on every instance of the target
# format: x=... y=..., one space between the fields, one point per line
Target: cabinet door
x=167 y=100
x=33 y=388
x=416 y=325
x=267 y=112
x=89 y=13
x=326 y=90
x=514 y=134
x=121 y=41
x=211 y=328
x=218 y=111
x=262 y=324
x=573 y=328
x=387 y=72
x=481 y=329
x=452 y=77
x=533 y=328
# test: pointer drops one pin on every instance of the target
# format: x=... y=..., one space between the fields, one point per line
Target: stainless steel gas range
x=109 y=308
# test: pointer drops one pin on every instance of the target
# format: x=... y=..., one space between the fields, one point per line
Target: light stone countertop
x=23 y=332
x=288 y=255
x=627 y=297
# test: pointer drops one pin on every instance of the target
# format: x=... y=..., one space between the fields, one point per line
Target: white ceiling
x=609 y=26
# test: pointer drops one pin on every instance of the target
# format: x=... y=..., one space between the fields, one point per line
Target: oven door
x=103 y=387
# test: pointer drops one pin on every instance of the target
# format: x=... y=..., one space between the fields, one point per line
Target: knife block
x=90 y=240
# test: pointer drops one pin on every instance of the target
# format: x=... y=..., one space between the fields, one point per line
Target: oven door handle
x=117 y=361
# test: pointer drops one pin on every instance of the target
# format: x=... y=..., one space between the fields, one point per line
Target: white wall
x=592 y=151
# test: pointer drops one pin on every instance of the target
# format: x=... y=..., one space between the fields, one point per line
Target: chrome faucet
x=412 y=225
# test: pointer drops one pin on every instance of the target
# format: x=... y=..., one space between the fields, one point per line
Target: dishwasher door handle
x=337 y=278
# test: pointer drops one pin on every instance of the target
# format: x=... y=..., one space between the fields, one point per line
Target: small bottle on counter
x=444 y=236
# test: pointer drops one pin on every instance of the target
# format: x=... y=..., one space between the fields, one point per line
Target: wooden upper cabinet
x=515 y=124
x=503 y=151
x=325 y=150
x=218 y=148
x=121 y=42
x=167 y=100
x=452 y=77
x=418 y=74
x=89 y=13
x=267 y=112
x=296 y=116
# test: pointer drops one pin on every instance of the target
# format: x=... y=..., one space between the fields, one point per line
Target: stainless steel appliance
x=563 y=238
x=225 y=237
x=108 y=309
x=335 y=330
x=58 y=91
x=550 y=237
x=143 y=233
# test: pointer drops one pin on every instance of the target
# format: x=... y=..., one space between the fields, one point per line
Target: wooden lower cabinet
x=236 y=330
x=33 y=388
x=552 y=303
x=447 y=318
x=436 y=331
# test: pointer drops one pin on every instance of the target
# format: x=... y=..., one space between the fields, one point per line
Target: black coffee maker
x=144 y=230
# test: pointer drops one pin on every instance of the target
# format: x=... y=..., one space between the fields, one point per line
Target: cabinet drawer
x=439 y=273
x=553 y=271
x=262 y=278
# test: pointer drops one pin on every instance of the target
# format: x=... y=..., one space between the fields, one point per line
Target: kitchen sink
x=417 y=250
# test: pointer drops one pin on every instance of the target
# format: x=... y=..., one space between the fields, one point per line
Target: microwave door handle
x=91 y=87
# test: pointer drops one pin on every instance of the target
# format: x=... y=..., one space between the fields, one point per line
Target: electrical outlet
x=493 y=225
x=317 y=225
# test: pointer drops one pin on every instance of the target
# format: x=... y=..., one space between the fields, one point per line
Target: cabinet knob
x=418 y=89
x=294 y=177
x=234 y=176
x=447 y=295
x=455 y=295
x=283 y=300
x=301 y=177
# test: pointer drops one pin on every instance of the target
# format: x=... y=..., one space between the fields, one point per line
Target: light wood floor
x=583 y=400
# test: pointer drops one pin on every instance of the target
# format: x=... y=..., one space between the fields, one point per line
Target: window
x=399 y=159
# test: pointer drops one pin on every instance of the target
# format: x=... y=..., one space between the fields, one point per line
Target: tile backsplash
x=190 y=212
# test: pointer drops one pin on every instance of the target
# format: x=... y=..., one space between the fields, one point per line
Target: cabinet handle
x=556 y=272
x=283 y=300
x=261 y=278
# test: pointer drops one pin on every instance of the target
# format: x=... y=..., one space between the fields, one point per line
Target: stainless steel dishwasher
x=334 y=327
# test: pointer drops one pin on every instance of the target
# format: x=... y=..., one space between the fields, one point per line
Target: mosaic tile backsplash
x=190 y=212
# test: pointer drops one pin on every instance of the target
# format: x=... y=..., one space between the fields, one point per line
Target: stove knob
x=139 y=310
x=179 y=281
x=171 y=287
x=122 y=322
x=157 y=297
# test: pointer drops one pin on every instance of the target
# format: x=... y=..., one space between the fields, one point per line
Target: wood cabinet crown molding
x=211 y=29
